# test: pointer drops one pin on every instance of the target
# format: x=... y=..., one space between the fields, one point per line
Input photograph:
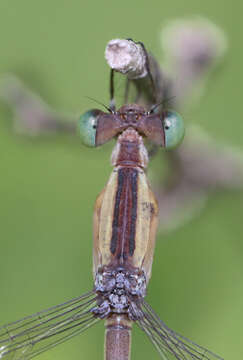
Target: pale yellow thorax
x=146 y=224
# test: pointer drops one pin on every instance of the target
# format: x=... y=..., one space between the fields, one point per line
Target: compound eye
x=173 y=129
x=87 y=126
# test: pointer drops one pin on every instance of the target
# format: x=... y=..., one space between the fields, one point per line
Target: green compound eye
x=173 y=128
x=87 y=126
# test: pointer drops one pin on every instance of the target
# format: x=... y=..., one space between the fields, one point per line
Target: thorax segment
x=125 y=218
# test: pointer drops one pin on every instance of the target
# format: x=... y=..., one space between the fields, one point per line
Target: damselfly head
x=164 y=129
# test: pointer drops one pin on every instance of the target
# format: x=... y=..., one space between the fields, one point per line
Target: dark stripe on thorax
x=125 y=214
x=114 y=237
x=133 y=213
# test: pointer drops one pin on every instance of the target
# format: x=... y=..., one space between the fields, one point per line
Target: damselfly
x=125 y=224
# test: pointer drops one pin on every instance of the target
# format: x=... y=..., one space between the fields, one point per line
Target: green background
x=48 y=186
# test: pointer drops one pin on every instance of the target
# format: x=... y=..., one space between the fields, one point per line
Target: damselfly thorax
x=125 y=222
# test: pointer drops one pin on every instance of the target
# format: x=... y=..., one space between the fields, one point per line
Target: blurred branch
x=192 y=49
x=197 y=168
x=32 y=116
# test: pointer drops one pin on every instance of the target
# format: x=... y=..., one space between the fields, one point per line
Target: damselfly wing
x=32 y=335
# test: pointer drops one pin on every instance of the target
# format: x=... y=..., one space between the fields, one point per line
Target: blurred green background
x=48 y=187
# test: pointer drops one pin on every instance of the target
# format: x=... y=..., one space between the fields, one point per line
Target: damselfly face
x=164 y=129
